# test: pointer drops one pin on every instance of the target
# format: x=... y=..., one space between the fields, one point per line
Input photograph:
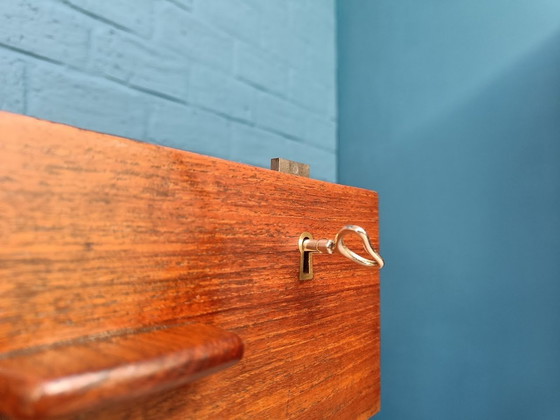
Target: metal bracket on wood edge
x=290 y=167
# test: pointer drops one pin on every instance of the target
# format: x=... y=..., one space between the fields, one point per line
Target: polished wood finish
x=100 y=234
x=73 y=376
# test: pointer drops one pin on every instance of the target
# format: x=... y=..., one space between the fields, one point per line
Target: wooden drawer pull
x=87 y=373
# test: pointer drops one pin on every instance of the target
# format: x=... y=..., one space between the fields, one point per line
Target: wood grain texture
x=99 y=234
x=95 y=371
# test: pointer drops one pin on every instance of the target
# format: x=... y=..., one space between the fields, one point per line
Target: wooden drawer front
x=102 y=236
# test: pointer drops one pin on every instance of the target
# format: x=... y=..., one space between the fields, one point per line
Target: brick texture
x=244 y=80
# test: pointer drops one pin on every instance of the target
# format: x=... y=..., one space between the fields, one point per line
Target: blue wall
x=244 y=80
x=451 y=110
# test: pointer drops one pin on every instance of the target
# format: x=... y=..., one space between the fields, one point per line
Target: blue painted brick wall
x=244 y=80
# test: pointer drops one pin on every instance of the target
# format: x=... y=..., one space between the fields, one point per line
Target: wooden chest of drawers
x=139 y=281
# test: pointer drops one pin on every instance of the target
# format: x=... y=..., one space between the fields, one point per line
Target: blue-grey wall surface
x=451 y=110
x=245 y=80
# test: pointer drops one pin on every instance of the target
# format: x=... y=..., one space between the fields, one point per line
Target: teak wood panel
x=100 y=234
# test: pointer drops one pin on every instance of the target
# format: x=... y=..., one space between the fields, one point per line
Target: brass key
x=309 y=246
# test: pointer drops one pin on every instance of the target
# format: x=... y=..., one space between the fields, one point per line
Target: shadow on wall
x=470 y=208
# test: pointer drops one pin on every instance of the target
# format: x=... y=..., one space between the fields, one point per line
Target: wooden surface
x=75 y=376
x=100 y=234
